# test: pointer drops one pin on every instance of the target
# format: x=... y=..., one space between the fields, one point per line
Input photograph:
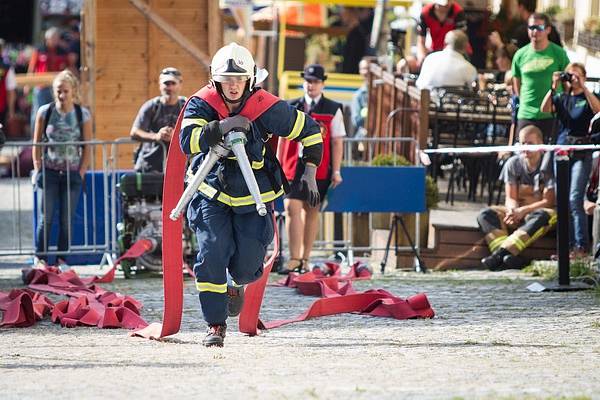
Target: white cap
x=169 y=74
x=441 y=2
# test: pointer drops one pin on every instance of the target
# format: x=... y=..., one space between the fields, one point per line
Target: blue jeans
x=57 y=192
x=580 y=175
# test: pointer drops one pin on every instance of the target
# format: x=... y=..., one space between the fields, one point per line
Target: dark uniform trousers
x=253 y=234
x=535 y=225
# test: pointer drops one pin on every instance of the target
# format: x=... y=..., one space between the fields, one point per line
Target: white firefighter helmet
x=235 y=60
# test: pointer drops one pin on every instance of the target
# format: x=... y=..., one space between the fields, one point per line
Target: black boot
x=235 y=300
x=494 y=261
x=215 y=335
x=514 y=262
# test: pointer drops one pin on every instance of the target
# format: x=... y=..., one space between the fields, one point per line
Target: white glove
x=34 y=177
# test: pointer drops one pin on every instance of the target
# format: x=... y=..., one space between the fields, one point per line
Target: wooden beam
x=172 y=32
x=88 y=53
x=215 y=27
x=340 y=31
x=425 y=99
x=44 y=79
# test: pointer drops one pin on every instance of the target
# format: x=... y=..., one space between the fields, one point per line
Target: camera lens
x=566 y=77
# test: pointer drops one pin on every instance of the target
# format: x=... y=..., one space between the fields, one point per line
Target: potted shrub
x=564 y=21
x=590 y=36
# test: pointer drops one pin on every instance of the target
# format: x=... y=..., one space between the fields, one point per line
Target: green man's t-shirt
x=535 y=69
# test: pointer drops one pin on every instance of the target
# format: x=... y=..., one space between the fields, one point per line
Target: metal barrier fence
x=360 y=152
x=93 y=231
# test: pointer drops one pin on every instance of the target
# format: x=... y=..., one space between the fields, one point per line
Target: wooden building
x=125 y=44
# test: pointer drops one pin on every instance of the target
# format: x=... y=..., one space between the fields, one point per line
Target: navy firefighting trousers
x=226 y=241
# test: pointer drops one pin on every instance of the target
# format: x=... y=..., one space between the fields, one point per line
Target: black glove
x=237 y=122
x=212 y=133
x=215 y=130
x=308 y=185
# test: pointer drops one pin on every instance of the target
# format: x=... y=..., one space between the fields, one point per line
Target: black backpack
x=51 y=109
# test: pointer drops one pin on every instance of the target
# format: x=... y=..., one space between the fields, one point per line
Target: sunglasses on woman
x=539 y=28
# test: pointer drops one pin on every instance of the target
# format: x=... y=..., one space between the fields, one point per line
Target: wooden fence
x=396 y=109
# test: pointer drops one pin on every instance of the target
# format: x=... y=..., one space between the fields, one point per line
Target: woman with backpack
x=58 y=169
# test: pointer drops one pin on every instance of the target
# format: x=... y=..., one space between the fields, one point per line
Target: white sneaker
x=62 y=265
x=38 y=263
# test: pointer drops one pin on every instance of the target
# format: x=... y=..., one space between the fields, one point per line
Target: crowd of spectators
x=526 y=59
x=550 y=103
x=60 y=50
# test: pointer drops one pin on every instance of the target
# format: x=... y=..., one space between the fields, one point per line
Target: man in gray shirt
x=529 y=207
x=154 y=123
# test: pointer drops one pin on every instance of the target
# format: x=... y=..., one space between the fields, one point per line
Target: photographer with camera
x=574 y=108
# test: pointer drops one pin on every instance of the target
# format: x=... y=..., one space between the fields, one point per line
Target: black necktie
x=311 y=106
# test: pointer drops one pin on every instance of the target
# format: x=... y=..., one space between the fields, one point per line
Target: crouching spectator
x=528 y=211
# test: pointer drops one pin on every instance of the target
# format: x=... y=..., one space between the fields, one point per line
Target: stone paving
x=491 y=338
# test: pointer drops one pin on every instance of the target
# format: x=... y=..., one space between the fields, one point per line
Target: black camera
x=566 y=77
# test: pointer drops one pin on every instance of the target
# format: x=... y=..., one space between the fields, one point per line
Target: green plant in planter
x=395 y=160
x=432 y=194
x=390 y=160
x=552 y=11
x=565 y=14
x=592 y=24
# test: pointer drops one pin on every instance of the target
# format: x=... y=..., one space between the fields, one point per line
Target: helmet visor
x=230 y=79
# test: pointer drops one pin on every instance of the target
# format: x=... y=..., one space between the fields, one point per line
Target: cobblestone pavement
x=491 y=339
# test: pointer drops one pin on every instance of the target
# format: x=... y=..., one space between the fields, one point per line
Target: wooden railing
x=396 y=109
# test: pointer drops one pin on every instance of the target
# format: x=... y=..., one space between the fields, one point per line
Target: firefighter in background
x=232 y=237
x=302 y=220
x=528 y=209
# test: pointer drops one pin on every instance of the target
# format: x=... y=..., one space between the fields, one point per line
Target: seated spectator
x=449 y=66
x=529 y=207
x=436 y=19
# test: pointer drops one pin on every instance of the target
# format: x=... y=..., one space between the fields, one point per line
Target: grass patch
x=597 y=292
x=579 y=269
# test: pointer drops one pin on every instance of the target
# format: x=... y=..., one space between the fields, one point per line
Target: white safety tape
x=515 y=148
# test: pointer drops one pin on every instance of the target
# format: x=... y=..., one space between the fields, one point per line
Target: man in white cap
x=154 y=123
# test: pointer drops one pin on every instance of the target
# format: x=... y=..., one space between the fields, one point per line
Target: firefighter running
x=232 y=237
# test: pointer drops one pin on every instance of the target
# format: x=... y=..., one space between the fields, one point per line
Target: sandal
x=293 y=265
